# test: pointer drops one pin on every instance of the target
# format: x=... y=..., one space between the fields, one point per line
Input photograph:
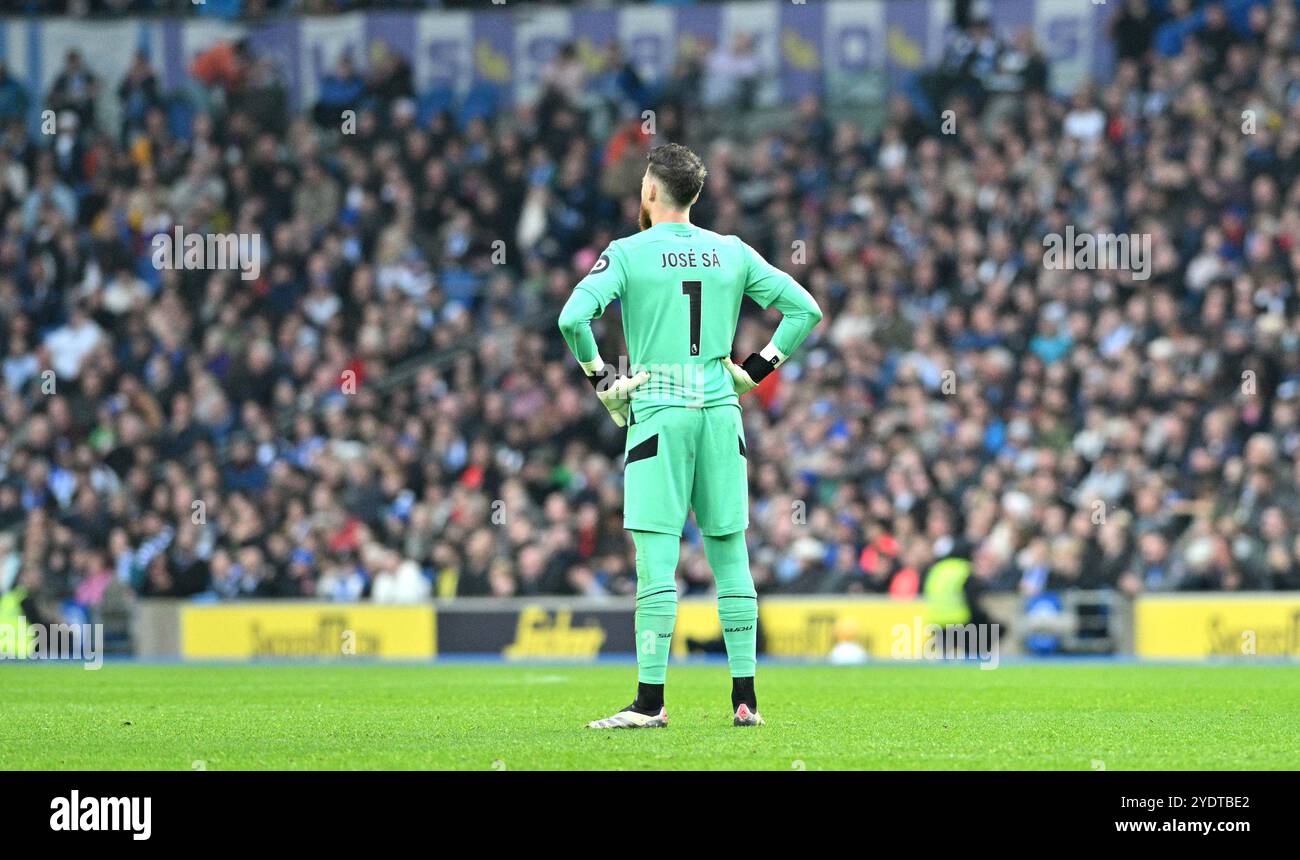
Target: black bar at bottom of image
x=319 y=808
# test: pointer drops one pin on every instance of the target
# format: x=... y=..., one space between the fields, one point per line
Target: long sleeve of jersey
x=769 y=286
x=799 y=315
x=603 y=284
x=575 y=324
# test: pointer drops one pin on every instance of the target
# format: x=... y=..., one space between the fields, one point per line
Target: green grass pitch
x=526 y=717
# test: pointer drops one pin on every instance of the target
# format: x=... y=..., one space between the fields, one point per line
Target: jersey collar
x=678 y=227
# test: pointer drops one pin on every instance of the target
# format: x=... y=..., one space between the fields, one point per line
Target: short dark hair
x=680 y=170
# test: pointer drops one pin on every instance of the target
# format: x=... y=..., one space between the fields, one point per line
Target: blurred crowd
x=388 y=411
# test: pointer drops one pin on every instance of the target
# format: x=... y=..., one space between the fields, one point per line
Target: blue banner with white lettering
x=500 y=53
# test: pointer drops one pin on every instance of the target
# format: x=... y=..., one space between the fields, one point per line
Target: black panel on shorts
x=643 y=450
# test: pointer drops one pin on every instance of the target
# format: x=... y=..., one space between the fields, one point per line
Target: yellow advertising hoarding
x=1220 y=625
x=541 y=633
x=306 y=630
x=807 y=628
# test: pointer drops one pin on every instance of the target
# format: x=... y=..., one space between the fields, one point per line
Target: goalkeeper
x=680 y=289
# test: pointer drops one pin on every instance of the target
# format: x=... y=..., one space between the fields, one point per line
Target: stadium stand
x=387 y=411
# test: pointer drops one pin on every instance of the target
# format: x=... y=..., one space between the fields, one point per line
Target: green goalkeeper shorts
x=682 y=459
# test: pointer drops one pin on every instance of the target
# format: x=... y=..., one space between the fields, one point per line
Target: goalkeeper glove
x=614 y=391
x=754 y=369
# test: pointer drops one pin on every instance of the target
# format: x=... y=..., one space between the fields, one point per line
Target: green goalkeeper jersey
x=680 y=289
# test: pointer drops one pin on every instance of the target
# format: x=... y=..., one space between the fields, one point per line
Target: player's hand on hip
x=616 y=395
x=746 y=377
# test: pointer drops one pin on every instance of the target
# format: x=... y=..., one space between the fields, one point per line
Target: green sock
x=737 y=601
x=656 y=602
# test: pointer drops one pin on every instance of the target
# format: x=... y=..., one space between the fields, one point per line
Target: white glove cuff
x=773 y=355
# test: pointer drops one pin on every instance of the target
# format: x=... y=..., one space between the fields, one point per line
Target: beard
x=643 y=219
